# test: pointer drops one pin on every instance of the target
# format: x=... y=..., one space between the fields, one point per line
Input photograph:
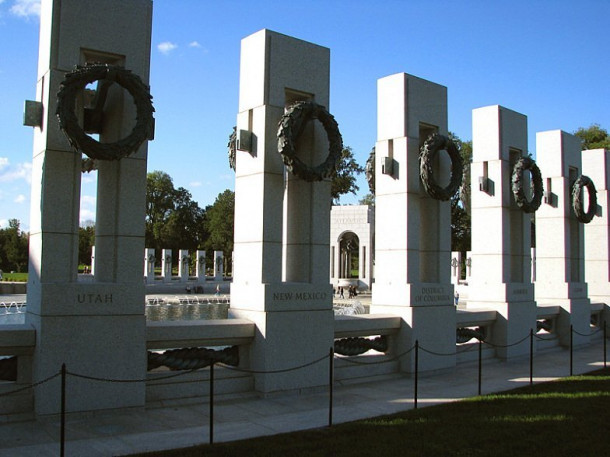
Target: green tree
x=220 y=222
x=344 y=179
x=368 y=199
x=173 y=219
x=593 y=137
x=13 y=247
x=86 y=239
x=460 y=202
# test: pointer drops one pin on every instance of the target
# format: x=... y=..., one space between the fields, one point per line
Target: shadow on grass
x=569 y=417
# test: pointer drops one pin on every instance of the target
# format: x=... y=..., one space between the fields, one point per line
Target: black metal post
x=212 y=403
x=571 y=349
x=62 y=438
x=416 y=373
x=480 y=364
x=531 y=356
x=331 y=380
x=604 y=344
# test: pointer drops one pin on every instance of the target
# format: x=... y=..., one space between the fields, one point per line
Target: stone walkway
x=146 y=429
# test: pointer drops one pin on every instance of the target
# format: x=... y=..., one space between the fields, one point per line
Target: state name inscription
x=287 y=296
x=93 y=298
x=433 y=295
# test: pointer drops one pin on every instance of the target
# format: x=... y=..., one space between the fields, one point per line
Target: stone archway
x=349 y=259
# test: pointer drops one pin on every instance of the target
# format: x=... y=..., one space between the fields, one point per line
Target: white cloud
x=87 y=208
x=195 y=184
x=86 y=216
x=20 y=198
x=26 y=8
x=166 y=47
x=10 y=173
x=88 y=178
x=194 y=44
x=88 y=201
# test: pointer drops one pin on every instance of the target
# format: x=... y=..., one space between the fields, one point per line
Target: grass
x=564 y=418
x=15 y=277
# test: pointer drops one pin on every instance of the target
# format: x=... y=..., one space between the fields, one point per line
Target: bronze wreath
x=290 y=128
x=578 y=199
x=75 y=82
x=231 y=148
x=431 y=147
x=526 y=163
x=369 y=170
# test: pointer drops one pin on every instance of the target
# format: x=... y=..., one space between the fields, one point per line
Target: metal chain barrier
x=502 y=346
x=331 y=356
x=391 y=359
x=284 y=370
x=594 y=332
x=30 y=386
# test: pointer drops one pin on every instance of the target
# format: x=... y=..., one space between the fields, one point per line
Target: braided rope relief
x=193 y=358
x=356 y=345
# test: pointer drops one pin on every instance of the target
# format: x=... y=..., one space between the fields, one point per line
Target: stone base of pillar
x=97 y=330
x=430 y=320
x=295 y=326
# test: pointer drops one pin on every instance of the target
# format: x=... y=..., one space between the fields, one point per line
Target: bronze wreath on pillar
x=369 y=170
x=526 y=163
x=431 y=147
x=231 y=149
x=578 y=197
x=75 y=82
x=290 y=128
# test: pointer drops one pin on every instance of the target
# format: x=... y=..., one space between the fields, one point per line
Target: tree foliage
x=460 y=202
x=86 y=239
x=593 y=137
x=173 y=220
x=344 y=179
x=13 y=248
x=220 y=222
x=368 y=199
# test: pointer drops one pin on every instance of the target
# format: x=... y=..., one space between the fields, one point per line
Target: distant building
x=352 y=233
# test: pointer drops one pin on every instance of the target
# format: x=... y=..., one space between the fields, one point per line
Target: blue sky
x=546 y=59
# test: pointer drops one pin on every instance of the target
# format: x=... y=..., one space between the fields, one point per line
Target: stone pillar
x=96 y=328
x=166 y=265
x=200 y=269
x=468 y=265
x=560 y=278
x=456 y=267
x=412 y=230
x=183 y=268
x=596 y=165
x=501 y=231
x=218 y=266
x=92 y=260
x=533 y=259
x=282 y=223
x=149 y=265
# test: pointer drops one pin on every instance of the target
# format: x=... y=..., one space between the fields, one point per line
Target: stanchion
x=571 y=349
x=212 y=403
x=604 y=344
x=331 y=380
x=480 y=364
x=62 y=432
x=416 y=373
x=531 y=356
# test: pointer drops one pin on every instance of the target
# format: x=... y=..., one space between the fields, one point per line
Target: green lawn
x=15 y=277
x=565 y=418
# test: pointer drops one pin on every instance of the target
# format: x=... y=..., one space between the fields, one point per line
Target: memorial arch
x=352 y=237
